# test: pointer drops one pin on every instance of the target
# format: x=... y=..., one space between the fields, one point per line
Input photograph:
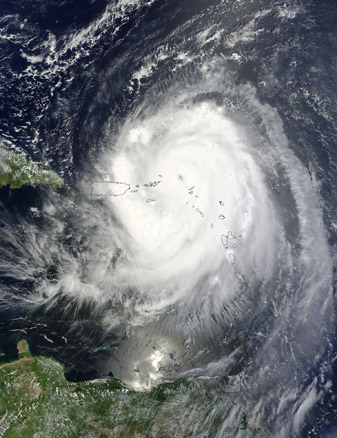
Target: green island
x=16 y=170
x=36 y=401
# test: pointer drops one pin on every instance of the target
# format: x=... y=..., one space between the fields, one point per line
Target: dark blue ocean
x=139 y=90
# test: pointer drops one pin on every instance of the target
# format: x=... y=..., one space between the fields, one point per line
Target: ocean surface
x=195 y=234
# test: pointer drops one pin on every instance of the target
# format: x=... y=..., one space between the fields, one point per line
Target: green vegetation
x=17 y=170
x=37 y=401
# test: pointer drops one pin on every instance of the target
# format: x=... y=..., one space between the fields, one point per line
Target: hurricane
x=194 y=235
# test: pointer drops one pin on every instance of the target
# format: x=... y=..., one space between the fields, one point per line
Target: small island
x=16 y=170
x=36 y=401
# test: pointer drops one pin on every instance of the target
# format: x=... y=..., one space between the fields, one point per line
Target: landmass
x=116 y=188
x=109 y=188
x=37 y=401
x=16 y=170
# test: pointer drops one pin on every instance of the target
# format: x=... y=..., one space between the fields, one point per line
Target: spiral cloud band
x=198 y=231
x=194 y=236
x=197 y=203
x=205 y=213
x=219 y=229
